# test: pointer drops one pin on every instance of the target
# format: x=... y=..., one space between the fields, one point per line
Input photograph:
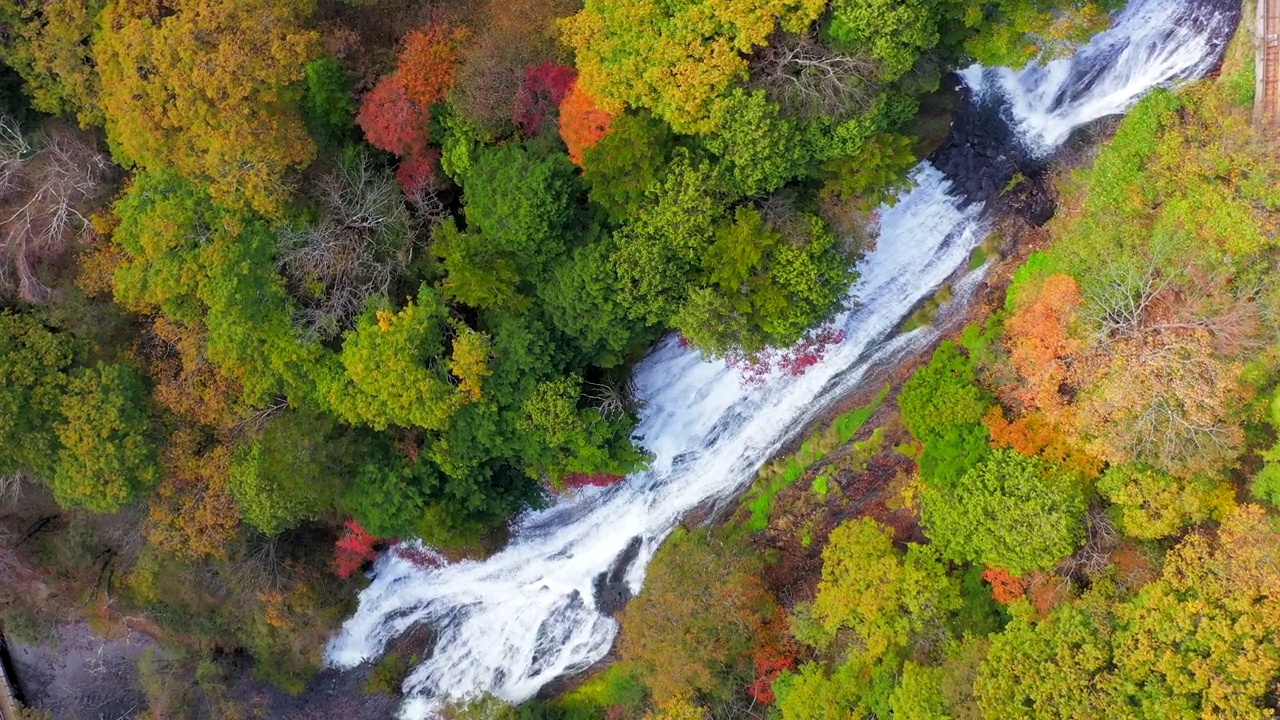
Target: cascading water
x=527 y=615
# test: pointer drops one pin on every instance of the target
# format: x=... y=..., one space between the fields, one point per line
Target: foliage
x=621 y=168
x=1153 y=505
x=403 y=345
x=224 y=71
x=49 y=45
x=391 y=120
x=1010 y=511
x=108 y=456
x=34 y=363
x=1015 y=32
x=193 y=513
x=676 y=59
x=291 y=472
x=522 y=204
x=894 y=33
x=582 y=124
x=545 y=87
x=428 y=61
x=327 y=106
x=942 y=405
x=700 y=611
x=766 y=284
x=889 y=601
x=355 y=548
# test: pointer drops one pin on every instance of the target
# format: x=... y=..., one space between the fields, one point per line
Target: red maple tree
x=391 y=120
x=419 y=170
x=582 y=124
x=544 y=89
x=1005 y=587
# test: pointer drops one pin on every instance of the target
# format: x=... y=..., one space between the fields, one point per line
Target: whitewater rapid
x=525 y=616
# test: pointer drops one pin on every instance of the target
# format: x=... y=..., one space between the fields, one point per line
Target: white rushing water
x=514 y=622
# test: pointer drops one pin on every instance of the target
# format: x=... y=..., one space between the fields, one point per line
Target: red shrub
x=809 y=351
x=419 y=557
x=770 y=662
x=573 y=481
x=355 y=548
x=1005 y=588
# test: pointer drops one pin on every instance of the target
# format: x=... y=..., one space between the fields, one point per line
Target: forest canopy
x=284 y=282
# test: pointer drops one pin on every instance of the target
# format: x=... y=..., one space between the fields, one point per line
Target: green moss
x=781 y=473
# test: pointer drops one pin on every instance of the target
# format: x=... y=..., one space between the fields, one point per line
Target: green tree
x=660 y=251
x=1009 y=511
x=522 y=203
x=395 y=365
x=919 y=694
x=293 y=471
x=581 y=300
x=759 y=148
x=34 y=363
x=942 y=405
x=387 y=495
x=895 y=33
x=1153 y=505
x=621 y=168
x=571 y=438
x=812 y=694
x=888 y=600
x=1053 y=668
x=108 y=456
x=765 y=284
x=326 y=106
x=477 y=273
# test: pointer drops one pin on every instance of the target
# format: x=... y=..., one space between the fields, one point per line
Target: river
x=510 y=624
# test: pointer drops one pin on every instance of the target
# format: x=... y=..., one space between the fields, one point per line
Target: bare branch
x=809 y=79
x=360 y=244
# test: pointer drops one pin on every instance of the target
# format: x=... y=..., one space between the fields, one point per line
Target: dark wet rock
x=611 y=591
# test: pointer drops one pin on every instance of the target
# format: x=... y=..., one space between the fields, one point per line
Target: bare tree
x=48 y=187
x=362 y=241
x=809 y=79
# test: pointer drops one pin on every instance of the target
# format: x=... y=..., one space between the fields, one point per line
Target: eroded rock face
x=986 y=162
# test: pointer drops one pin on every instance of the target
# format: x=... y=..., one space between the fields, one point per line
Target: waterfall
x=527 y=615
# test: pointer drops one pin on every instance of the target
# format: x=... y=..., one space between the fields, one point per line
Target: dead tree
x=361 y=242
x=48 y=188
x=809 y=80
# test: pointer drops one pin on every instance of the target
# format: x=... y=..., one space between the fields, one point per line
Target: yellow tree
x=1204 y=640
x=679 y=58
x=209 y=88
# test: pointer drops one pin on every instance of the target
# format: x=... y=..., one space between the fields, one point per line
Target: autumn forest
x=282 y=282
